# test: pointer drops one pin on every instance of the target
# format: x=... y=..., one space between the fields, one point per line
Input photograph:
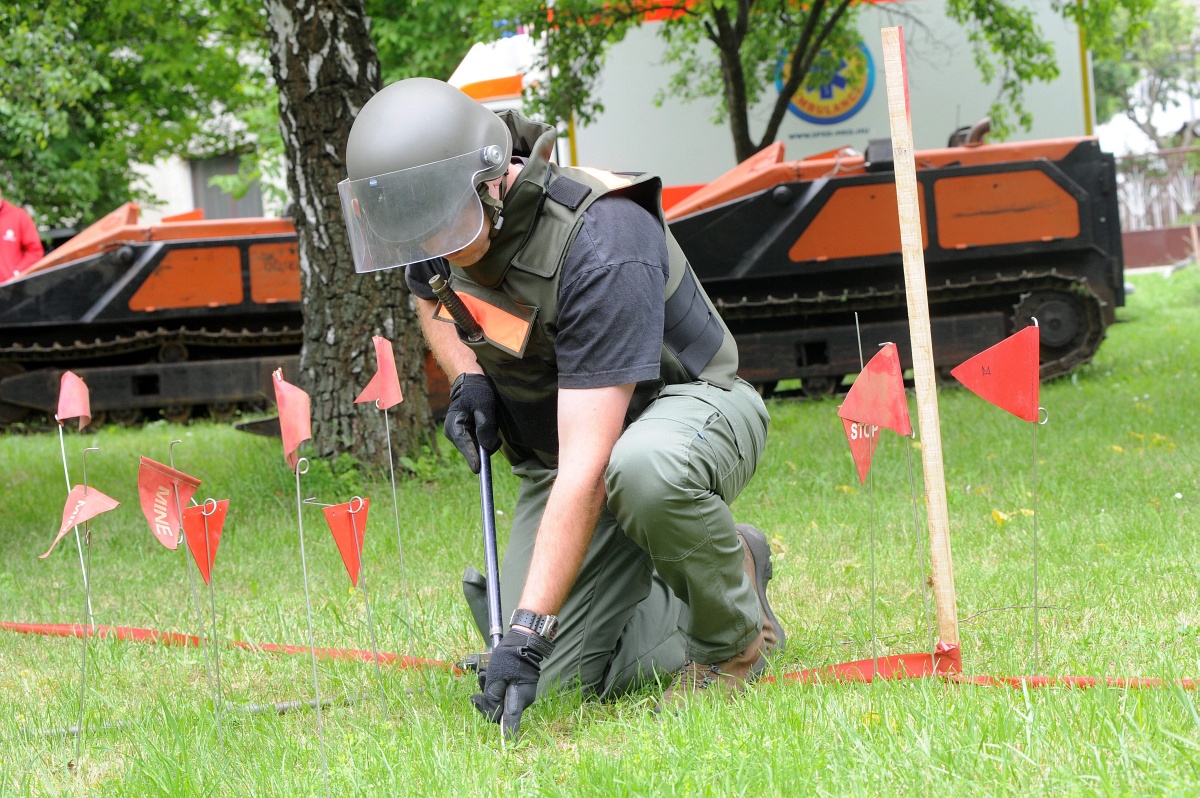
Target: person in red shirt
x=20 y=246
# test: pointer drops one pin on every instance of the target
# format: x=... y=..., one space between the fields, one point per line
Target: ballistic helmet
x=417 y=155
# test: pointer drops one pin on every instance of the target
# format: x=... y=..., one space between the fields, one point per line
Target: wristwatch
x=544 y=625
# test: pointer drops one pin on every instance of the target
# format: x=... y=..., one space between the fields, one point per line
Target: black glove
x=510 y=683
x=471 y=419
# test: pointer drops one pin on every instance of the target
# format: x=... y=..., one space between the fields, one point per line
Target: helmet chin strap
x=494 y=207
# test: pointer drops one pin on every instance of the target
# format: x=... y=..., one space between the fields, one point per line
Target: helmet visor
x=415 y=214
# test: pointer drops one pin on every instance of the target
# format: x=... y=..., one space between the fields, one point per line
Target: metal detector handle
x=490 y=555
x=455 y=307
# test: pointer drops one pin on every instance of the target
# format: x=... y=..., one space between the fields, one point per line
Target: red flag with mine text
x=74 y=401
x=384 y=387
x=157 y=486
x=877 y=396
x=1007 y=374
x=348 y=525
x=83 y=504
x=202 y=527
x=295 y=417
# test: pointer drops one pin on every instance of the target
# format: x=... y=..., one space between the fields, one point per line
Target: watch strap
x=545 y=626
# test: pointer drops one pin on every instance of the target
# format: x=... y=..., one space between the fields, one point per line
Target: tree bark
x=326 y=69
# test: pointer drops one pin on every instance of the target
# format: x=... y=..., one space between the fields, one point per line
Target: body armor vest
x=515 y=290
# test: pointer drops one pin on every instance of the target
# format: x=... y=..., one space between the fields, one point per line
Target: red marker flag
x=1006 y=374
x=863 y=438
x=203 y=533
x=295 y=417
x=83 y=504
x=384 y=387
x=877 y=396
x=348 y=529
x=156 y=489
x=74 y=400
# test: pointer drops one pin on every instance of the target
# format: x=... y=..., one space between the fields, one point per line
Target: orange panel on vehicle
x=856 y=222
x=1003 y=208
x=192 y=278
x=274 y=273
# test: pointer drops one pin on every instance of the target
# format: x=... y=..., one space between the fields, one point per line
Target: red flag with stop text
x=1007 y=374
x=863 y=439
x=295 y=417
x=348 y=523
x=74 y=401
x=83 y=504
x=877 y=396
x=157 y=486
x=202 y=527
x=384 y=387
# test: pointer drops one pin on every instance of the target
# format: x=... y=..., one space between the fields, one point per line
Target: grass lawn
x=1118 y=501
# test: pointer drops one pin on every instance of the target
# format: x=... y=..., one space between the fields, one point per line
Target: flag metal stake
x=87 y=609
x=872 y=437
x=205 y=512
x=1043 y=417
x=362 y=584
x=62 y=447
x=362 y=581
x=387 y=426
x=301 y=469
x=212 y=685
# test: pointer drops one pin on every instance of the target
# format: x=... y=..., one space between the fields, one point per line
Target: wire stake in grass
x=87 y=612
x=62 y=446
x=208 y=670
x=344 y=522
x=387 y=428
x=301 y=469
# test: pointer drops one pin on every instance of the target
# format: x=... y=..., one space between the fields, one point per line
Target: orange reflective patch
x=505 y=330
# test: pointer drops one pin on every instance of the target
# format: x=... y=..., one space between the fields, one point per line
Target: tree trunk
x=326 y=69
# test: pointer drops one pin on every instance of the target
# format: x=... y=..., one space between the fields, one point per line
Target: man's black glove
x=510 y=684
x=471 y=419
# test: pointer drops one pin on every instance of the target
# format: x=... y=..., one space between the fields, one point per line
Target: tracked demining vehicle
x=191 y=314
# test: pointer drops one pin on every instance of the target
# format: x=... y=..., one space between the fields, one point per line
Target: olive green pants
x=663 y=578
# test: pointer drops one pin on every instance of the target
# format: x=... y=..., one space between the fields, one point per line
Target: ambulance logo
x=842 y=97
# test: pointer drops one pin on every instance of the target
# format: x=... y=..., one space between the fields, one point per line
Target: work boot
x=732 y=675
x=757 y=564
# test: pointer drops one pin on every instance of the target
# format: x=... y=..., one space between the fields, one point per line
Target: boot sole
x=760 y=550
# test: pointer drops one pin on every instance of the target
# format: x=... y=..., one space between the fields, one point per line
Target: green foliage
x=730 y=51
x=420 y=38
x=1151 y=64
x=91 y=87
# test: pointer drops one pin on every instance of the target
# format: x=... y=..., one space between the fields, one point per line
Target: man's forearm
x=563 y=538
x=589 y=423
x=452 y=355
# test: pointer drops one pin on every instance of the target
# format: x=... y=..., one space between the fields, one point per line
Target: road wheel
x=222 y=411
x=125 y=416
x=819 y=387
x=1062 y=317
x=177 y=414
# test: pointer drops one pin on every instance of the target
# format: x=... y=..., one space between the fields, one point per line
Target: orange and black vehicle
x=191 y=314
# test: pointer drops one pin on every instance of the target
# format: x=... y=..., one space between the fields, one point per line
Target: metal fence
x=1158 y=189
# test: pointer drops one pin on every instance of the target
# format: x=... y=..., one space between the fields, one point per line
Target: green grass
x=1118 y=492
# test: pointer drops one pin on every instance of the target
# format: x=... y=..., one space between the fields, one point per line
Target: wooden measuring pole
x=928 y=423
